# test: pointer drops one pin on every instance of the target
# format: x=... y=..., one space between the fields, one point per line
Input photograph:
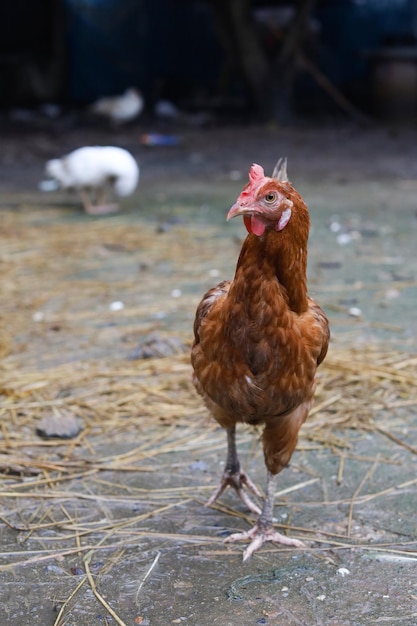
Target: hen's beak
x=238 y=209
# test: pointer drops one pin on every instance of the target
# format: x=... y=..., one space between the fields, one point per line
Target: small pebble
x=176 y=293
x=355 y=311
x=322 y=597
x=54 y=569
x=343 y=239
x=38 y=316
x=214 y=273
x=342 y=571
x=116 y=306
x=65 y=425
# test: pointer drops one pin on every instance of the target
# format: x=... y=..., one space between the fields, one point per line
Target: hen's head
x=263 y=201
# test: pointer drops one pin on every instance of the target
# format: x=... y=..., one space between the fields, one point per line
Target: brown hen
x=259 y=339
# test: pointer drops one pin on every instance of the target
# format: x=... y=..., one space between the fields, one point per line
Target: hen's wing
x=209 y=299
x=322 y=329
x=210 y=306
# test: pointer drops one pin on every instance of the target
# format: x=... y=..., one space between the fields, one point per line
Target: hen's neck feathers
x=280 y=255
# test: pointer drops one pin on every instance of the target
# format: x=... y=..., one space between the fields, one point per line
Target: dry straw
x=66 y=352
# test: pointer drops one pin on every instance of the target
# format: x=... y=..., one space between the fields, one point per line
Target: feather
x=94 y=168
x=259 y=339
x=280 y=170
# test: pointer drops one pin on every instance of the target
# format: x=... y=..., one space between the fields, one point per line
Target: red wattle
x=254 y=225
x=257 y=226
x=247 y=220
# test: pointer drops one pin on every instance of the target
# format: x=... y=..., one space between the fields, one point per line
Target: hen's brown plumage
x=259 y=338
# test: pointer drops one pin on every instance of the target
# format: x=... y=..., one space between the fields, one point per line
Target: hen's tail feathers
x=280 y=170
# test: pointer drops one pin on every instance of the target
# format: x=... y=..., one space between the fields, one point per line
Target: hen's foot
x=258 y=536
x=238 y=480
x=101 y=209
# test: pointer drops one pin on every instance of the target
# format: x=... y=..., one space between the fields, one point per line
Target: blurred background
x=229 y=59
x=97 y=310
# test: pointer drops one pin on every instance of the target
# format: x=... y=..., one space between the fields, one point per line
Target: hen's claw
x=259 y=536
x=237 y=480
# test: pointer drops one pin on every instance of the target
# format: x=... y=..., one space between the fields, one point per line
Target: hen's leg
x=86 y=200
x=100 y=207
x=235 y=477
x=264 y=530
x=279 y=441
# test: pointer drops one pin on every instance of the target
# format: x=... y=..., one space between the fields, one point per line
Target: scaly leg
x=86 y=200
x=264 y=530
x=235 y=477
x=100 y=208
x=100 y=196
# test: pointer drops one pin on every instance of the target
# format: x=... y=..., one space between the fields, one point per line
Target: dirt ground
x=109 y=526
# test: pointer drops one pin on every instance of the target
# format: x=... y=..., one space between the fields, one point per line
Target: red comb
x=256 y=176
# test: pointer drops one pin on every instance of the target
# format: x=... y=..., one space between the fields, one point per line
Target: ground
x=109 y=526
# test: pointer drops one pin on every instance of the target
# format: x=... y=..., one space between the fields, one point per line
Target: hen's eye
x=270 y=197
